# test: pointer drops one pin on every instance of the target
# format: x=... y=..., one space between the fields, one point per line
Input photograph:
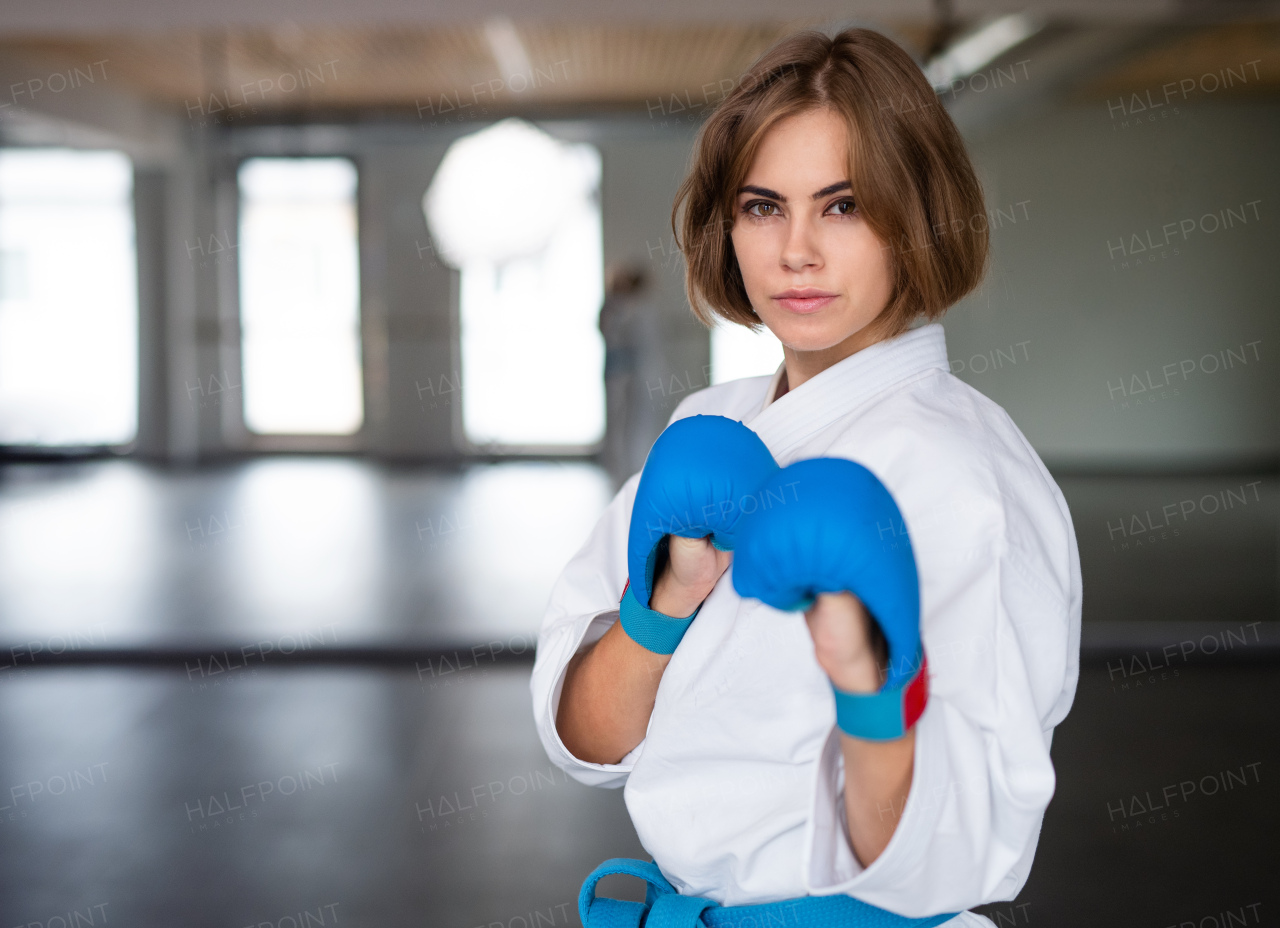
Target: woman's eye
x=762 y=209
x=843 y=207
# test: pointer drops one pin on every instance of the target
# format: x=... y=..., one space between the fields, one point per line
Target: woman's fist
x=684 y=522
x=692 y=568
x=847 y=643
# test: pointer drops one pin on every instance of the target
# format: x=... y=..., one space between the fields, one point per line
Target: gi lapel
x=786 y=423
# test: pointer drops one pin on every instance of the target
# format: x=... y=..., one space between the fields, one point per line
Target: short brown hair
x=909 y=171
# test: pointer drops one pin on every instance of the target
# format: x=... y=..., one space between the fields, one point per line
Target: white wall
x=1081 y=324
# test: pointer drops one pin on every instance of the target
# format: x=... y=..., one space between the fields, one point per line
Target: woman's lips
x=805 y=304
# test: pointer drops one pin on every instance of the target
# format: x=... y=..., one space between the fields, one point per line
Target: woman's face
x=814 y=271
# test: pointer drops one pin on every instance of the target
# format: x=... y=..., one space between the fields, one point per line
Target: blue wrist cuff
x=651 y=630
x=886 y=715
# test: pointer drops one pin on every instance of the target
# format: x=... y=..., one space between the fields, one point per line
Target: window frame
x=236 y=434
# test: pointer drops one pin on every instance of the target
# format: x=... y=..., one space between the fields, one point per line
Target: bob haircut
x=908 y=168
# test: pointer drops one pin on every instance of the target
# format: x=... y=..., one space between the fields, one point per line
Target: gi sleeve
x=1001 y=630
x=583 y=604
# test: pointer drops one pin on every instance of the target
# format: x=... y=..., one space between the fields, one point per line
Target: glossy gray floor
x=367 y=800
x=325 y=550
x=281 y=796
x=288 y=791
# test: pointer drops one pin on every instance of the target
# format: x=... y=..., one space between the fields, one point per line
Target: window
x=737 y=352
x=300 y=296
x=518 y=213
x=68 y=298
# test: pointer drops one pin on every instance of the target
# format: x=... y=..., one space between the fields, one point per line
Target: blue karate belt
x=663 y=907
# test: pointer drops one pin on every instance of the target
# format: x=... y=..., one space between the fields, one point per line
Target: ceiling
x=426 y=72
x=1194 y=53
x=100 y=17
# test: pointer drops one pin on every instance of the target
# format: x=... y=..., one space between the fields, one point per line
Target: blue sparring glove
x=831 y=526
x=698 y=476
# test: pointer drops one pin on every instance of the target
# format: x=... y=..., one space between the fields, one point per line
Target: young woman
x=831 y=200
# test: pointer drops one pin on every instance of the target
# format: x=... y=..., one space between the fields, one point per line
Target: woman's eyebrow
x=774 y=195
x=832 y=188
x=763 y=192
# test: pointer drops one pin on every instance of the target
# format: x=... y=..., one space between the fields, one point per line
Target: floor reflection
x=370 y=798
x=337 y=550
x=289 y=791
x=416 y=796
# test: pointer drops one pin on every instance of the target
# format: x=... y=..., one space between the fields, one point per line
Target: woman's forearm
x=610 y=688
x=877 y=779
x=608 y=694
x=877 y=774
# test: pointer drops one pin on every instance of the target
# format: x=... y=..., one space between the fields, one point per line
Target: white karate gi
x=737 y=789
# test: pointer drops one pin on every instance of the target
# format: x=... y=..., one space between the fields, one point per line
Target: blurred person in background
x=628 y=322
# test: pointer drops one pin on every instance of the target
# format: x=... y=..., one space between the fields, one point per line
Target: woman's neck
x=802 y=365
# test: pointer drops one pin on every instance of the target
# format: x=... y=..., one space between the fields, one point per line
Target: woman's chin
x=808 y=338
x=813 y=333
